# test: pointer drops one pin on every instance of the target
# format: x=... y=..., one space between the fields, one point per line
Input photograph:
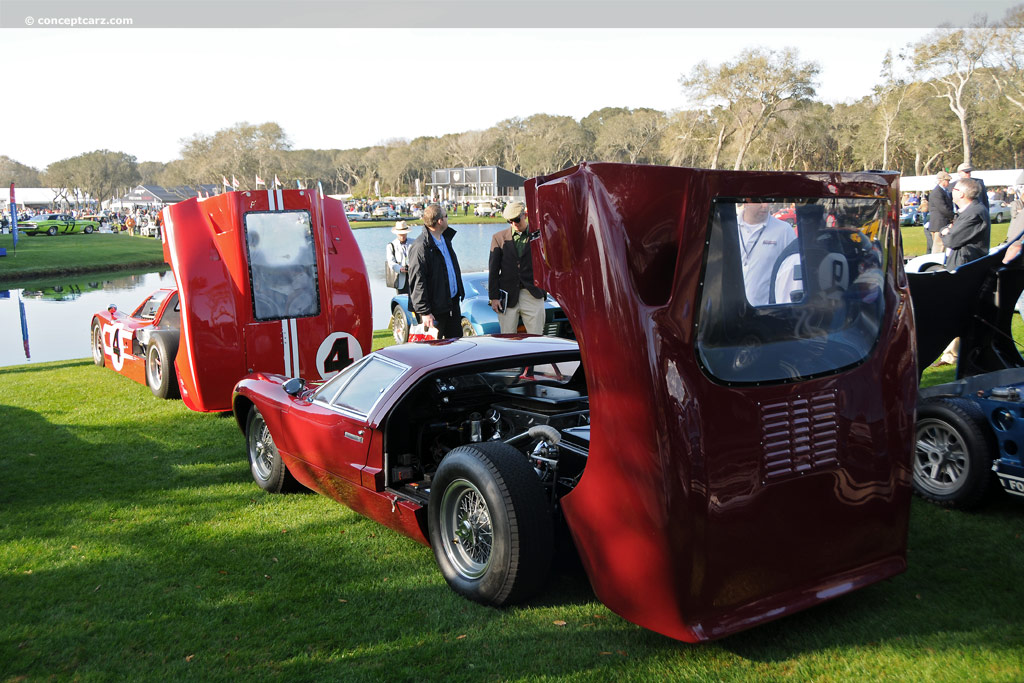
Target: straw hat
x=400 y=228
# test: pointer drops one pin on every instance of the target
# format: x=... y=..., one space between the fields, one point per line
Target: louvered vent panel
x=799 y=436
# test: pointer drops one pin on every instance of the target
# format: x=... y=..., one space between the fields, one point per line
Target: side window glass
x=371 y=381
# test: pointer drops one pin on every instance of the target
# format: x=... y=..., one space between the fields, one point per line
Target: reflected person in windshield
x=763 y=238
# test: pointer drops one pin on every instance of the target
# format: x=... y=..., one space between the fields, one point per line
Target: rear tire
x=954 y=454
x=467 y=328
x=87 y=230
x=490 y=524
x=160 y=375
x=52 y=230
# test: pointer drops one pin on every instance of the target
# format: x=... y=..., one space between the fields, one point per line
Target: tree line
x=956 y=95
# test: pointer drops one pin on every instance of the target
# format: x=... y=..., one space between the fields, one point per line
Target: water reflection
x=57 y=312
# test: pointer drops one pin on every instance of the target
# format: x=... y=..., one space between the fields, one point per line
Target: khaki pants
x=530 y=308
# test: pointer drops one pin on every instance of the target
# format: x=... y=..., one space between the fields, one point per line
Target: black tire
x=399 y=325
x=467 y=328
x=265 y=463
x=490 y=524
x=97 y=344
x=160 y=375
x=954 y=454
x=87 y=230
x=52 y=230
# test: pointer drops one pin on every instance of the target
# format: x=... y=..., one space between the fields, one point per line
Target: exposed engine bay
x=542 y=411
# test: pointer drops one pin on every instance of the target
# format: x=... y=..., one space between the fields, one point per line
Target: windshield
x=782 y=302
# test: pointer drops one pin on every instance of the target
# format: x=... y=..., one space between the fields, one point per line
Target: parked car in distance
x=487 y=209
x=384 y=212
x=911 y=215
x=999 y=212
x=59 y=223
x=477 y=315
x=142 y=344
x=357 y=215
x=787 y=214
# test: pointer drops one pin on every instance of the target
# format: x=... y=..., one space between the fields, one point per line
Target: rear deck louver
x=799 y=436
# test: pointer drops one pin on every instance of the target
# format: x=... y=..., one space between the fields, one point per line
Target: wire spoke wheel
x=466 y=522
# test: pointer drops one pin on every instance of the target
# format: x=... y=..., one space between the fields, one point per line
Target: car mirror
x=112 y=308
x=293 y=386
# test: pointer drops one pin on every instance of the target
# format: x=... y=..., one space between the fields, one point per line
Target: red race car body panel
x=713 y=502
x=729 y=442
x=269 y=281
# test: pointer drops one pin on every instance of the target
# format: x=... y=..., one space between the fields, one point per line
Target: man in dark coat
x=965 y=170
x=940 y=207
x=435 y=280
x=969 y=236
x=510 y=285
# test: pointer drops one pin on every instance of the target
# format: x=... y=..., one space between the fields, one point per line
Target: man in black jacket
x=969 y=236
x=435 y=281
x=940 y=207
x=510 y=286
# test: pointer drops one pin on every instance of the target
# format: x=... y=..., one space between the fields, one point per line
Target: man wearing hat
x=940 y=209
x=510 y=285
x=398 y=258
x=964 y=170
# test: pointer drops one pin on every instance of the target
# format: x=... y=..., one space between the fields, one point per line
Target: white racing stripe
x=295 y=347
x=286 y=338
x=270 y=200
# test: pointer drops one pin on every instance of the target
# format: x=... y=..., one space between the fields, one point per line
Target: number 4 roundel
x=337 y=351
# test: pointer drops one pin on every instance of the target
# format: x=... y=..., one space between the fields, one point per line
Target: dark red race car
x=719 y=459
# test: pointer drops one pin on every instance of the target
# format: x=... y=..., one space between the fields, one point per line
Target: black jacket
x=940 y=209
x=506 y=270
x=428 y=275
x=969 y=237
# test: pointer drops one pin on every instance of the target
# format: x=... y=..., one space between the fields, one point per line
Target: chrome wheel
x=466 y=529
x=399 y=326
x=154 y=367
x=941 y=460
x=262 y=452
x=467 y=328
x=97 y=345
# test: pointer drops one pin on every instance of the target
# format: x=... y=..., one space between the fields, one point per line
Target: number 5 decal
x=337 y=351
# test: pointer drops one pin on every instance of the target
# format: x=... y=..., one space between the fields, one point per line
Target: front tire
x=399 y=325
x=490 y=524
x=265 y=462
x=160 y=375
x=953 y=458
x=97 y=344
x=87 y=230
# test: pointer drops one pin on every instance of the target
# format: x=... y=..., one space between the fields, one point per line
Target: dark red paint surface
x=676 y=526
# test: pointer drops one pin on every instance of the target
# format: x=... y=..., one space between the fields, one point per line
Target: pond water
x=56 y=317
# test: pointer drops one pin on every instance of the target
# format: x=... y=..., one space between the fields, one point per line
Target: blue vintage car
x=477 y=315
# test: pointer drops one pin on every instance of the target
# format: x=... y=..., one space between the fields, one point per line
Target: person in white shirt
x=762 y=240
x=398 y=256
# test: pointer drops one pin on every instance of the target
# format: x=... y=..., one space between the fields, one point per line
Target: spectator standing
x=397 y=258
x=510 y=285
x=435 y=281
x=940 y=211
x=964 y=170
x=968 y=237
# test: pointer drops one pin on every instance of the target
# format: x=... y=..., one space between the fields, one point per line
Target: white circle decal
x=337 y=351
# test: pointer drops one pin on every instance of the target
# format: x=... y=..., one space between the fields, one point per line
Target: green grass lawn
x=41 y=255
x=134 y=546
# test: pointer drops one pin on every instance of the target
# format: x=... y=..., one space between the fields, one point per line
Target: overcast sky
x=142 y=91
